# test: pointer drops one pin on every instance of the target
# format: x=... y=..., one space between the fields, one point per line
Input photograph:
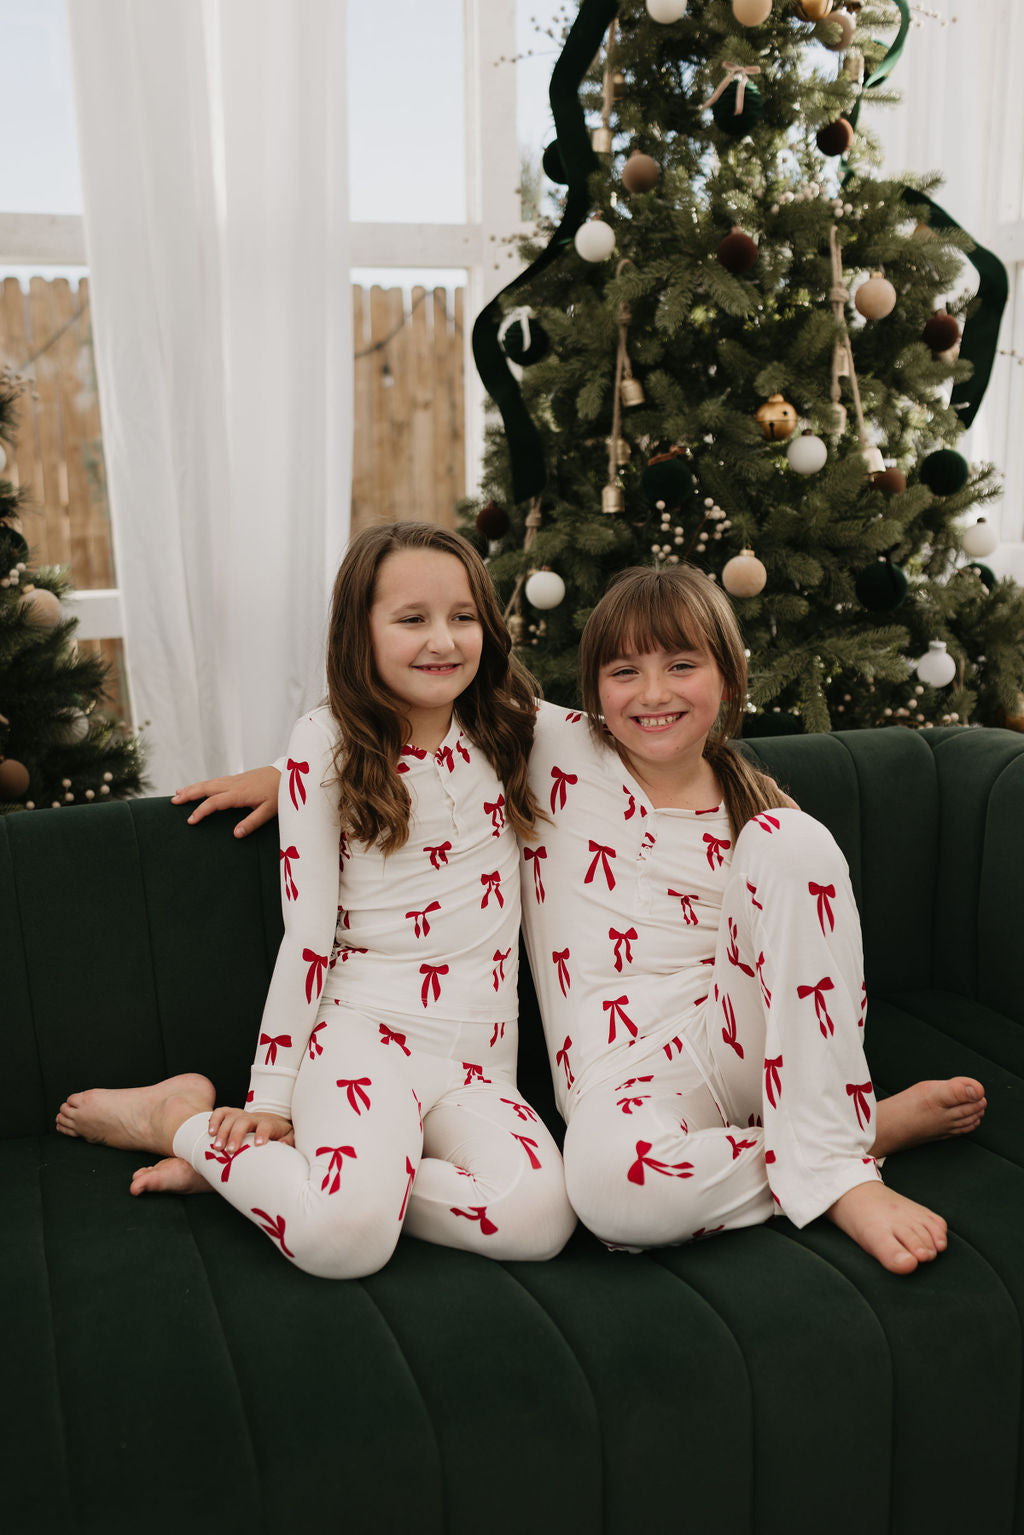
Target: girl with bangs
x=383 y=1093
x=696 y=950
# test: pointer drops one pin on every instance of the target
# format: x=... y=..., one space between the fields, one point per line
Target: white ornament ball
x=72 y=727
x=751 y=13
x=936 y=667
x=807 y=454
x=595 y=240
x=666 y=10
x=980 y=540
x=875 y=298
x=40 y=608
x=744 y=575
x=544 y=589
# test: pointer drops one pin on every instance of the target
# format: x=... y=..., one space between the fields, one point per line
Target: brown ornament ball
x=13 y=779
x=492 y=520
x=941 y=331
x=837 y=31
x=777 y=418
x=875 y=298
x=812 y=10
x=40 y=608
x=737 y=252
x=891 y=481
x=640 y=173
x=835 y=138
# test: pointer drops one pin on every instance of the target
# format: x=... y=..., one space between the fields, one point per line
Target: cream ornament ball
x=807 y=454
x=666 y=11
x=595 y=240
x=751 y=13
x=936 y=667
x=875 y=298
x=40 y=608
x=544 y=589
x=980 y=540
x=744 y=575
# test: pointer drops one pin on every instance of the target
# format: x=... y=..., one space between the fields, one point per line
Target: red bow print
x=315 y=1047
x=493 y=884
x=619 y=939
x=411 y=1174
x=479 y=1213
x=738 y=1146
x=419 y=752
x=825 y=1023
x=315 y=974
x=392 y=1037
x=532 y=855
x=431 y=983
x=629 y=813
x=273 y=1225
x=421 y=925
x=769 y=1157
x=443 y=757
x=338 y=1154
x=686 y=902
x=601 y=855
x=627 y=1105
x=614 y=1007
x=706 y=1231
x=419 y=1108
x=675 y=1045
x=346 y=951
x=716 y=846
x=759 y=967
x=558 y=787
x=559 y=956
x=863 y=1004
x=773 y=1080
x=498 y=974
x=733 y=952
x=573 y=717
x=463 y=753
x=562 y=1059
x=530 y=1147
x=284 y=1040
x=521 y=1110
x=438 y=855
x=631 y=1082
x=861 y=1102
x=766 y=822
x=670 y=1169
x=496 y=813
x=355 y=1092
x=753 y=896
x=648 y=842
x=295 y=784
x=289 y=855
x=343 y=850
x=824 y=893
x=729 y=1032
x=473 y=1073
x=226 y=1158
x=498 y=1032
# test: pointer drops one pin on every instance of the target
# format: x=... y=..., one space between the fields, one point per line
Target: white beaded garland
x=936 y=667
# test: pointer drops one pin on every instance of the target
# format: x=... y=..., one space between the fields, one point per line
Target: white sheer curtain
x=962 y=114
x=214 y=169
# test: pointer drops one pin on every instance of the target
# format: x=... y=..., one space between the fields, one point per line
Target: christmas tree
x=56 y=745
x=743 y=359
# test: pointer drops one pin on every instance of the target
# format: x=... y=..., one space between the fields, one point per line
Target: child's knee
x=349 y=1245
x=790 y=839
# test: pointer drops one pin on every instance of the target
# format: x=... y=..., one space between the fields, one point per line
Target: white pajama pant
x=762 y=1102
x=390 y=1137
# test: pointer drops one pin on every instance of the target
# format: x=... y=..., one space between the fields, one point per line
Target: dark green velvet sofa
x=164 y=1370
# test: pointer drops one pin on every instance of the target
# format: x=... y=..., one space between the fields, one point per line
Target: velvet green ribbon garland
x=526 y=449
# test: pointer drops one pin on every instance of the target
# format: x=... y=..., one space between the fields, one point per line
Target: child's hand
x=229 y=1127
x=256 y=788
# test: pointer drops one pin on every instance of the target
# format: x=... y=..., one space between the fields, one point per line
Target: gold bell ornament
x=601 y=140
x=632 y=392
x=613 y=498
x=777 y=418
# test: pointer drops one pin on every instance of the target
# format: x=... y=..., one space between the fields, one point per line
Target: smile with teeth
x=655 y=721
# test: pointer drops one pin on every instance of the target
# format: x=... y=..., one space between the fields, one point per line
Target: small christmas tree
x=746 y=273
x=56 y=746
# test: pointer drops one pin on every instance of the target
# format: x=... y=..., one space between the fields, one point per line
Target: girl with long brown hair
x=383 y=1094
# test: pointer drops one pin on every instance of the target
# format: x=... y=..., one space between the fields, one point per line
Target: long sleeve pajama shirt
x=389 y=1034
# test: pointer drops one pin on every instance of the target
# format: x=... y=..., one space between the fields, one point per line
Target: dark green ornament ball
x=945 y=472
x=669 y=481
x=551 y=160
x=738 y=124
x=513 y=343
x=881 y=587
x=985 y=574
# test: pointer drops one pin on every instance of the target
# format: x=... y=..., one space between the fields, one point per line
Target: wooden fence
x=409 y=424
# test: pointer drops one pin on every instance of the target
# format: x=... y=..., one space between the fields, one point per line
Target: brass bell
x=621 y=449
x=601 y=139
x=516 y=628
x=613 y=499
x=631 y=392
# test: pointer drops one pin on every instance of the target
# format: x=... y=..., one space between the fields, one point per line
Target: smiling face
x=660 y=705
x=426 y=635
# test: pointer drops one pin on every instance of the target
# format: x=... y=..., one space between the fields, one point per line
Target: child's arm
x=256 y=788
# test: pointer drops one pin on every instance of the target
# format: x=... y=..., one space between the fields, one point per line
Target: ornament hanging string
x=622 y=370
x=514 y=606
x=525 y=446
x=741 y=73
x=842 y=355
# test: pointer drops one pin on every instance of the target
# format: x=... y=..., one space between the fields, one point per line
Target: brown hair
x=496 y=710
x=679 y=608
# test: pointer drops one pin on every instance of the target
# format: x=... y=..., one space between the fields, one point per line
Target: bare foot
x=895 y=1230
x=136 y=1118
x=928 y=1111
x=171 y=1176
